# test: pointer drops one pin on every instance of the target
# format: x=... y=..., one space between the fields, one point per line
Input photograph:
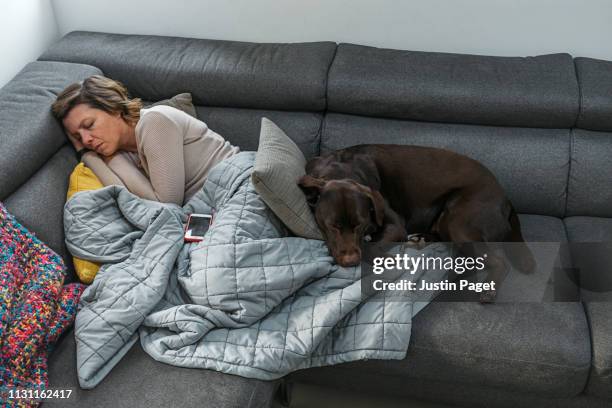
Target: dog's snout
x=350 y=257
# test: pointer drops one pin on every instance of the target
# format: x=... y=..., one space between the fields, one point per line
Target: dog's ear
x=379 y=206
x=378 y=203
x=311 y=186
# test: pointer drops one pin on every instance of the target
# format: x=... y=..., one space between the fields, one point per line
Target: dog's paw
x=416 y=238
x=417 y=241
x=488 y=296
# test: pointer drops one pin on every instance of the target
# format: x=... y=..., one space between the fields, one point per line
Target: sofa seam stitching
x=569 y=171
x=576 y=367
x=592 y=367
x=326 y=110
x=580 y=101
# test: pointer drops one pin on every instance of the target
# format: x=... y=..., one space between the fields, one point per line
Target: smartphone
x=196 y=227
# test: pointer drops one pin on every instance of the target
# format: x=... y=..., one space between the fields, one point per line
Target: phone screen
x=197 y=226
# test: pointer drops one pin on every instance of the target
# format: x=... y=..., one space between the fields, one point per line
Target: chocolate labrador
x=389 y=191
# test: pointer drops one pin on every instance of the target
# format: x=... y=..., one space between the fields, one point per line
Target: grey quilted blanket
x=249 y=300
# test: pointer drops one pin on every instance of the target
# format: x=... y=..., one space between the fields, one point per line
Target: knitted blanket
x=34 y=309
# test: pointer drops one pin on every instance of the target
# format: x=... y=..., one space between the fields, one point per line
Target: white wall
x=490 y=27
x=27 y=28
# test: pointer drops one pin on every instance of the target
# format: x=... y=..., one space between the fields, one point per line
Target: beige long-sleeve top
x=175 y=154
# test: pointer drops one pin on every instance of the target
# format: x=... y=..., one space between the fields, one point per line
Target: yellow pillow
x=82 y=179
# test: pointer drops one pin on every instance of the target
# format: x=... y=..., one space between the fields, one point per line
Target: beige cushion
x=279 y=163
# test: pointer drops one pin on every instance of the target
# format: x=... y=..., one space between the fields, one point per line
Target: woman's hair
x=100 y=93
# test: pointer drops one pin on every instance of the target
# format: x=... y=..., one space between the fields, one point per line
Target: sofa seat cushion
x=140 y=381
x=539 y=348
x=600 y=379
x=588 y=229
x=541 y=228
x=594 y=229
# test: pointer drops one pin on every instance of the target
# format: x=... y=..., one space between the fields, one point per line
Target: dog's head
x=346 y=212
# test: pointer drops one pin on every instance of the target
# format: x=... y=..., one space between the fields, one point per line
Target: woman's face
x=95 y=129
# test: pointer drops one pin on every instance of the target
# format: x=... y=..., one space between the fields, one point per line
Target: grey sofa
x=542 y=124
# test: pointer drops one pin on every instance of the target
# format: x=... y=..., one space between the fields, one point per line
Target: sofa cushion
x=278 y=166
x=539 y=228
x=590 y=179
x=590 y=248
x=29 y=135
x=537 y=91
x=140 y=381
x=595 y=80
x=443 y=394
x=217 y=73
x=592 y=229
x=600 y=380
x=83 y=179
x=38 y=204
x=241 y=126
x=540 y=348
x=510 y=153
x=588 y=229
x=181 y=101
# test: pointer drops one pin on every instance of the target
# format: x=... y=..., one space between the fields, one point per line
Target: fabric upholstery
x=591 y=229
x=510 y=153
x=181 y=101
x=538 y=348
x=538 y=228
x=537 y=91
x=588 y=229
x=455 y=394
x=241 y=126
x=600 y=380
x=279 y=163
x=140 y=381
x=38 y=204
x=590 y=179
x=29 y=135
x=595 y=79
x=217 y=73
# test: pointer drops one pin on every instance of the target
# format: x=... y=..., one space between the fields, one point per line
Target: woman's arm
x=101 y=169
x=162 y=148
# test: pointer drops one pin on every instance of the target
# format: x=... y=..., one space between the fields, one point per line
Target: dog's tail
x=518 y=252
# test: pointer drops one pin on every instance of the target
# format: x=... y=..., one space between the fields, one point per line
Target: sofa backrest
x=511 y=114
x=542 y=124
x=233 y=84
x=36 y=160
x=590 y=178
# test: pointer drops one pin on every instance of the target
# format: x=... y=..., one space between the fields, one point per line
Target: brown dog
x=390 y=191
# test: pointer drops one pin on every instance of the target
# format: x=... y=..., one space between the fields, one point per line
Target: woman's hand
x=78 y=145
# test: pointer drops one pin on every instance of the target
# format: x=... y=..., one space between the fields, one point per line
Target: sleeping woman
x=159 y=153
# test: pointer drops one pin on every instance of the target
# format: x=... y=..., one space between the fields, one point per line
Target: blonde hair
x=100 y=93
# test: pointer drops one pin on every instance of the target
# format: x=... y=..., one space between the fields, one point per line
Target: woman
x=174 y=150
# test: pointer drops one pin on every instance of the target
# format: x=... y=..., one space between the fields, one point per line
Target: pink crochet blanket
x=35 y=308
